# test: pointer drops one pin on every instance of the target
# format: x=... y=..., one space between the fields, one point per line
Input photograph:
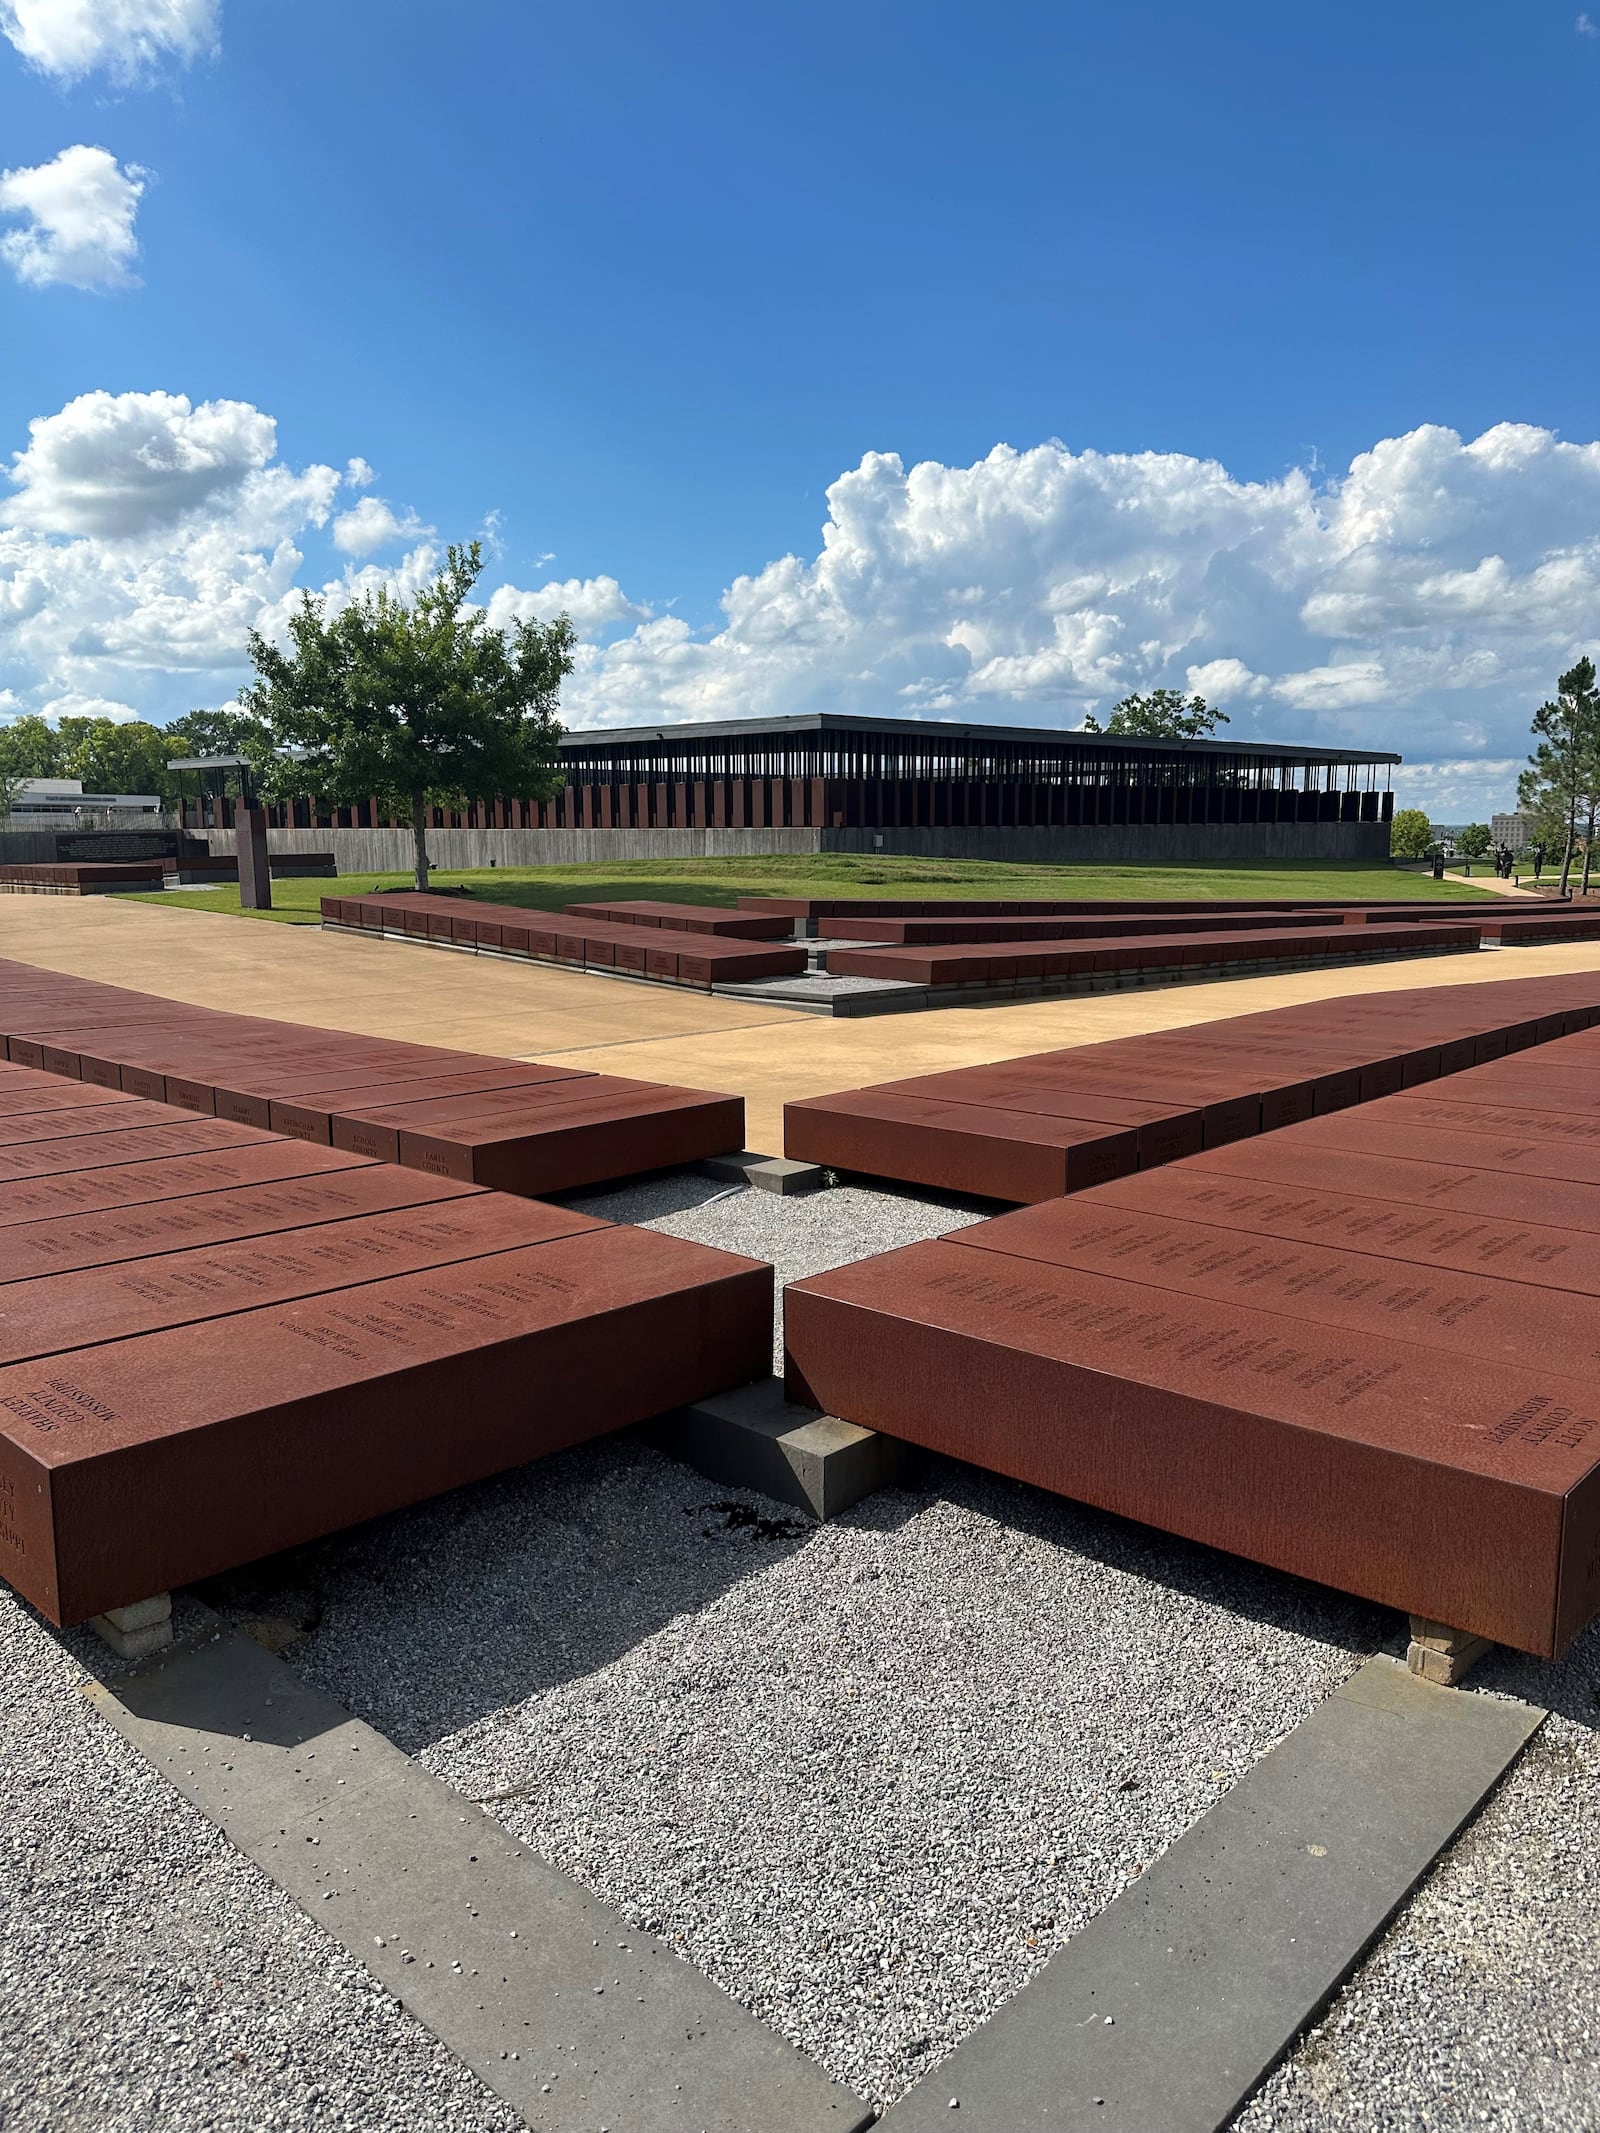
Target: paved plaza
x=868 y=1777
x=608 y=1025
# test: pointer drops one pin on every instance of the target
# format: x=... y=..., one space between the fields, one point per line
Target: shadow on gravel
x=426 y=1620
x=1248 y=1590
x=1570 y=1686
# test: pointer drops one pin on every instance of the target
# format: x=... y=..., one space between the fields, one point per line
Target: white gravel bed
x=805 y=1234
x=867 y=1776
x=1481 y=2005
x=152 y=1978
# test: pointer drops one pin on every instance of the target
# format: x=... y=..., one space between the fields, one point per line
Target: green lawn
x=723 y=881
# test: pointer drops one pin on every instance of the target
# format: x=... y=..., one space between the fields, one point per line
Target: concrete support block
x=134 y=1631
x=756 y=1439
x=1441 y=1654
x=767 y=1173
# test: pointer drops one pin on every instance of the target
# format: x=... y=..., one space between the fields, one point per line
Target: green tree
x=1410 y=834
x=111 y=755
x=421 y=704
x=1474 y=840
x=1163 y=715
x=1562 y=781
x=31 y=749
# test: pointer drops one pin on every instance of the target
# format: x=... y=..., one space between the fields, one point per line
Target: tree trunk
x=1566 y=857
x=419 y=834
x=1588 y=850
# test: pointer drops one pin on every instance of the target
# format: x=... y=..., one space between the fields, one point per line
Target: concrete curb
x=564 y=2010
x=1173 y=2004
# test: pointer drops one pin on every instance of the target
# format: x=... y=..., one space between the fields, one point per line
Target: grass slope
x=723 y=881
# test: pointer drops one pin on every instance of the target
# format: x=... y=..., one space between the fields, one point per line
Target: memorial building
x=828 y=781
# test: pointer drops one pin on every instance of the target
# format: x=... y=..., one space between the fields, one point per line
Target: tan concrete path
x=1492 y=885
x=472 y=1003
x=340 y=981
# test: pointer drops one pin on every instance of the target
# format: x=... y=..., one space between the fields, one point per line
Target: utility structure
x=832 y=781
x=249 y=823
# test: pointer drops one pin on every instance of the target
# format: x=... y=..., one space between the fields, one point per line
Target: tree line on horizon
x=422 y=704
x=1558 y=793
x=417 y=704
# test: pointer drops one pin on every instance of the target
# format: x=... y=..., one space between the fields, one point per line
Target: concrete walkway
x=655 y=1033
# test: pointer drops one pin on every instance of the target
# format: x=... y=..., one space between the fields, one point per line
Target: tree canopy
x=1410 y=834
x=1561 y=785
x=420 y=704
x=1474 y=840
x=124 y=755
x=1163 y=715
x=103 y=754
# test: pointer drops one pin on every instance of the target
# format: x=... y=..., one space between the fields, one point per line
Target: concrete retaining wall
x=1173 y=844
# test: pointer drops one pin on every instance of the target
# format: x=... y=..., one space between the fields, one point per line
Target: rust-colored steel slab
x=1444 y=1486
x=98 y=1151
x=1464 y=1188
x=57 y=1312
x=1359 y=1292
x=943 y=932
x=311 y=1118
x=689 y=918
x=1164 y=1134
x=246 y=1094
x=141 y=1465
x=24 y=1094
x=21 y=1128
x=1002 y=961
x=700 y=956
x=142 y=1184
x=1572 y=1159
x=1511 y=1249
x=374 y=1129
x=1563 y=1089
x=1000 y=1155
x=611 y=1136
x=186 y=1095
x=1444 y=1110
x=116 y=1236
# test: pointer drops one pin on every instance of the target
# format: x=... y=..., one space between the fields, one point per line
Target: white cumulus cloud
x=591 y=604
x=1421 y=601
x=124 y=38
x=119 y=465
x=373 y=524
x=74 y=705
x=78 y=214
x=145 y=537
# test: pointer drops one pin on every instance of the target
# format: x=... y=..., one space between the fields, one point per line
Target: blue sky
x=650 y=293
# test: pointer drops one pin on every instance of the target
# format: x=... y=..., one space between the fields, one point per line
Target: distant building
x=58 y=803
x=1515 y=832
x=834 y=782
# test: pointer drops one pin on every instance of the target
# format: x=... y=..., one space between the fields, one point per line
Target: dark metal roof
x=931 y=732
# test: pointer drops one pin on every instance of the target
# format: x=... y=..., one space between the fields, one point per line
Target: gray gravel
x=1481 y=2005
x=150 y=1976
x=804 y=1235
x=866 y=1776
